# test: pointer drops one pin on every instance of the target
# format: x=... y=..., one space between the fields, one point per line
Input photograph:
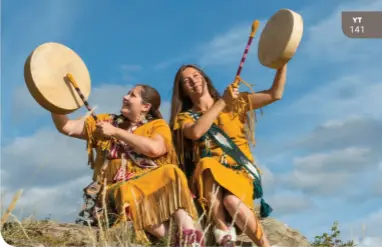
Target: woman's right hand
x=230 y=94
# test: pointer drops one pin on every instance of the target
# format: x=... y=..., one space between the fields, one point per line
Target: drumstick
x=255 y=26
x=75 y=85
x=238 y=80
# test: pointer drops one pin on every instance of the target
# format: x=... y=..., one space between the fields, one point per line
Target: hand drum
x=45 y=75
x=280 y=38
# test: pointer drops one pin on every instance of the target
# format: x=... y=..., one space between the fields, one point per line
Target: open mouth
x=125 y=104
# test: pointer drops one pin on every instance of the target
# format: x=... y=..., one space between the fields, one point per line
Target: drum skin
x=45 y=72
x=280 y=38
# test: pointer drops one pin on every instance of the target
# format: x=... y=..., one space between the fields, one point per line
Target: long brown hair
x=151 y=96
x=180 y=101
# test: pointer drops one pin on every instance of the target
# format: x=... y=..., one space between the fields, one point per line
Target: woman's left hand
x=105 y=129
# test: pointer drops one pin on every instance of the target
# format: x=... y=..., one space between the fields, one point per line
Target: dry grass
x=32 y=232
x=10 y=207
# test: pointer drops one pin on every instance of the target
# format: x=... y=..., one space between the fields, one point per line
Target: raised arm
x=68 y=127
x=275 y=93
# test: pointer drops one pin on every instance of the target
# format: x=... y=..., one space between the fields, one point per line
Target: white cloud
x=268 y=179
x=106 y=97
x=61 y=202
x=227 y=48
x=342 y=155
x=377 y=186
x=367 y=229
x=357 y=131
x=347 y=96
x=222 y=49
x=317 y=183
x=24 y=104
x=45 y=158
x=284 y=203
x=330 y=173
x=339 y=166
x=369 y=242
x=288 y=203
x=348 y=159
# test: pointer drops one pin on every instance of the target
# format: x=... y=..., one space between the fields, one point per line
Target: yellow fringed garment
x=156 y=194
x=237 y=182
x=153 y=198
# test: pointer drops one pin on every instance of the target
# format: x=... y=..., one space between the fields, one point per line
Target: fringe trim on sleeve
x=243 y=107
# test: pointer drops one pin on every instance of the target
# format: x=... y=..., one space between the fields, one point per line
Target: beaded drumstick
x=255 y=26
x=239 y=105
x=77 y=88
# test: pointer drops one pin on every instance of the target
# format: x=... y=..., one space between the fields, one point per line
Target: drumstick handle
x=255 y=26
x=77 y=88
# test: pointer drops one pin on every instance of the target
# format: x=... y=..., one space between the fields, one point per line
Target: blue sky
x=319 y=146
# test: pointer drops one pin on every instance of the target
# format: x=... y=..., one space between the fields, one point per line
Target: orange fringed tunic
x=154 y=196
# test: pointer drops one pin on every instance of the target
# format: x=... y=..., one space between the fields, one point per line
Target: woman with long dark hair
x=211 y=137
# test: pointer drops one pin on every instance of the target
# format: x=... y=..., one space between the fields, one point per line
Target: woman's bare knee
x=231 y=202
x=159 y=231
x=245 y=219
x=183 y=219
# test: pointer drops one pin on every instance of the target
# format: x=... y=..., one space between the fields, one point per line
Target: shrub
x=332 y=239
